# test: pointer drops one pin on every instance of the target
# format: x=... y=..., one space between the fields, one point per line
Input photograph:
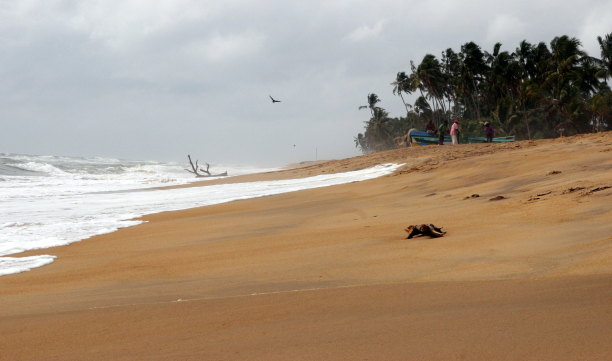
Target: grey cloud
x=160 y=79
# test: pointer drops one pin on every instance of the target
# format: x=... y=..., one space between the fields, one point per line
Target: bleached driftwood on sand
x=206 y=172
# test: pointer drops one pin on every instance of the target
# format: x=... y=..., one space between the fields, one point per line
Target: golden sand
x=327 y=274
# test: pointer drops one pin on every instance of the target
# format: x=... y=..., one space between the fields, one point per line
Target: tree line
x=535 y=92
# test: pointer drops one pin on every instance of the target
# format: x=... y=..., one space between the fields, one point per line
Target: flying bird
x=274 y=101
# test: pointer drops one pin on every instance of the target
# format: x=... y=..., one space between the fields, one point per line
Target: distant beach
x=306 y=163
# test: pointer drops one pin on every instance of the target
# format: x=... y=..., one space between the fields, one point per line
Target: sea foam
x=11 y=265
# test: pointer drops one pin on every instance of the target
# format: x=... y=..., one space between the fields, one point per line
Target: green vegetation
x=534 y=92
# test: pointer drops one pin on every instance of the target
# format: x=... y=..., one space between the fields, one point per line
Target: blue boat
x=495 y=140
x=424 y=138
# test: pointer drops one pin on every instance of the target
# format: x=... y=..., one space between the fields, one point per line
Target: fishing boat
x=495 y=140
x=424 y=138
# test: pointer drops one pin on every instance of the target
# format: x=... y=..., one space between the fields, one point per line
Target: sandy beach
x=328 y=274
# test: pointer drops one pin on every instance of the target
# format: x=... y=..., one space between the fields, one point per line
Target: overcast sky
x=160 y=79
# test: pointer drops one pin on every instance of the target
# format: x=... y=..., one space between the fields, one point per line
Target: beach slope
x=328 y=274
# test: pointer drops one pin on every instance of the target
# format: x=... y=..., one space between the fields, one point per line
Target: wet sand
x=328 y=274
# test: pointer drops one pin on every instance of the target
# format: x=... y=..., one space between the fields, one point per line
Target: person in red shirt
x=454 y=132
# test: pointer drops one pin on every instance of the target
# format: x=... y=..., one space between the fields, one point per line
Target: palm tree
x=566 y=82
x=360 y=142
x=451 y=70
x=500 y=79
x=606 y=55
x=598 y=109
x=565 y=62
x=472 y=68
x=525 y=66
x=429 y=78
x=377 y=134
x=504 y=114
x=372 y=100
x=402 y=85
x=422 y=108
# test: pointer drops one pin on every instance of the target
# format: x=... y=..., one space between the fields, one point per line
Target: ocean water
x=48 y=201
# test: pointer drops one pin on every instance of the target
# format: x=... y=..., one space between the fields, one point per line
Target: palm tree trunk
x=405 y=105
x=474 y=104
x=477 y=98
x=526 y=121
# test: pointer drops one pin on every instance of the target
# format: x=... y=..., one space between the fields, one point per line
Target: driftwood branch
x=206 y=171
x=197 y=168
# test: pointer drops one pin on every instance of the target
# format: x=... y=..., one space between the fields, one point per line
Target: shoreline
x=97 y=213
x=328 y=274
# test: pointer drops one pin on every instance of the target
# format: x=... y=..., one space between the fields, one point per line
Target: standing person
x=489 y=131
x=443 y=128
x=455 y=132
x=430 y=128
